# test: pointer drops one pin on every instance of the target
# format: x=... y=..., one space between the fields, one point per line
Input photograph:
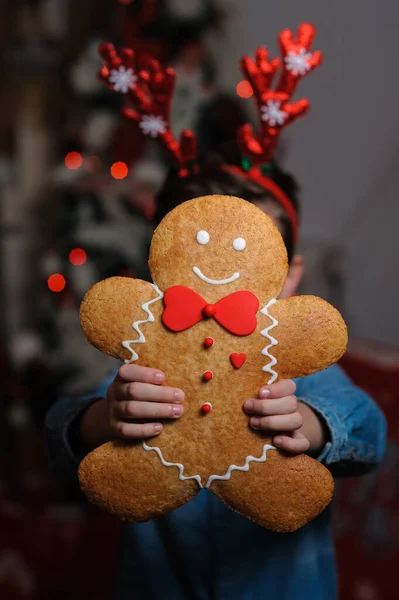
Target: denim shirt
x=203 y=550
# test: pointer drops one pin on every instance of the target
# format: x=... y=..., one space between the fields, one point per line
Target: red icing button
x=206 y=407
x=208 y=342
x=209 y=310
x=207 y=375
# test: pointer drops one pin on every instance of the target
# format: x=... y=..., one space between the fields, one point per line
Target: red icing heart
x=237 y=360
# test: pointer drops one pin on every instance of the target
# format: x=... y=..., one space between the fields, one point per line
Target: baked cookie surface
x=212 y=323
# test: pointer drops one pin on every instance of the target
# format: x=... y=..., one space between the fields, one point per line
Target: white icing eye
x=203 y=237
x=239 y=244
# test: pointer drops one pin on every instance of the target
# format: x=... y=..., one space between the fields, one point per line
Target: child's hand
x=279 y=410
x=137 y=393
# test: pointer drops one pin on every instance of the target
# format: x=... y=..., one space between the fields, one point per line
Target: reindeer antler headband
x=274 y=107
x=275 y=110
x=150 y=91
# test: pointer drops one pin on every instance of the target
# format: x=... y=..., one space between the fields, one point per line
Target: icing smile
x=215 y=281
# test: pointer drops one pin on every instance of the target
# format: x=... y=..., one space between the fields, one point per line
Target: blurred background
x=77 y=187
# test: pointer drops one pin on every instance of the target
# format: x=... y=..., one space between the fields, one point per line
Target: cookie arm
x=282 y=494
x=113 y=311
x=128 y=481
x=311 y=336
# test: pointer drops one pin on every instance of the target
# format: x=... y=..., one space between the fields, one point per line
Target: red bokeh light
x=73 y=160
x=77 y=257
x=56 y=282
x=119 y=170
x=244 y=89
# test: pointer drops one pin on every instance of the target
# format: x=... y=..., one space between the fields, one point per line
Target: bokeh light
x=244 y=89
x=73 y=160
x=119 y=170
x=56 y=282
x=77 y=257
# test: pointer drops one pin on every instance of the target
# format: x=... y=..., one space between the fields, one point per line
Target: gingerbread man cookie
x=212 y=322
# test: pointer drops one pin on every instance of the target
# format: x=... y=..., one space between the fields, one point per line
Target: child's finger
x=281 y=406
x=284 y=387
x=147 y=410
x=296 y=444
x=133 y=431
x=129 y=373
x=146 y=392
x=278 y=422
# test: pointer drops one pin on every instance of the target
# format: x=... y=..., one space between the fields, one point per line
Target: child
x=203 y=550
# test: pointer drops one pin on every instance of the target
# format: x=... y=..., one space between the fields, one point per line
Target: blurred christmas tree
x=109 y=172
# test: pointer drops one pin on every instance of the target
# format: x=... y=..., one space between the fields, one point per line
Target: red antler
x=150 y=93
x=275 y=110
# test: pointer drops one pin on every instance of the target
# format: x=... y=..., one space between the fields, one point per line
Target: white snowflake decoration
x=152 y=125
x=122 y=79
x=272 y=114
x=298 y=64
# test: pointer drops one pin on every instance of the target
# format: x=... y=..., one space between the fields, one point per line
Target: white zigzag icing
x=225 y=477
x=244 y=467
x=273 y=342
x=169 y=464
x=150 y=319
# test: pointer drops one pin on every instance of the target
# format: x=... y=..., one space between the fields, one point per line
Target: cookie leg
x=128 y=481
x=282 y=494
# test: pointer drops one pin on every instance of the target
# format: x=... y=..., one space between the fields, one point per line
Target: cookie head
x=218 y=244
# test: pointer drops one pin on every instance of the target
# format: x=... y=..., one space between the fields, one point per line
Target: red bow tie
x=235 y=312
